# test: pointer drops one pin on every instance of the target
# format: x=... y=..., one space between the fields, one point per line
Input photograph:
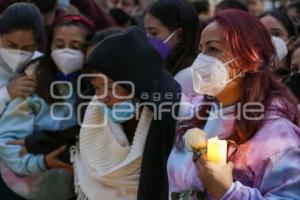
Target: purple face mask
x=163 y=49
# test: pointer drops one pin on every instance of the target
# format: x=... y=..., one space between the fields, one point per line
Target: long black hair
x=23 y=16
x=176 y=14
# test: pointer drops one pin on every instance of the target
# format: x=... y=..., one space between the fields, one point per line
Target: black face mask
x=294 y=84
x=298 y=29
x=120 y=16
x=45 y=6
x=295 y=78
x=282 y=72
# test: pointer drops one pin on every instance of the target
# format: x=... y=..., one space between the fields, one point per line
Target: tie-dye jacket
x=266 y=167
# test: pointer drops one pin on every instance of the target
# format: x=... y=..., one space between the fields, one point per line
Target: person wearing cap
x=52 y=107
x=125 y=138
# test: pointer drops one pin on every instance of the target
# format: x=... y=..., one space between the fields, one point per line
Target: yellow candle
x=217 y=151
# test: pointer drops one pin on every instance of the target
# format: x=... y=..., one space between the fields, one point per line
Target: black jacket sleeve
x=44 y=142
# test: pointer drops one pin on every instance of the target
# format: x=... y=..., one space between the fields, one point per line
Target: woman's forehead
x=212 y=32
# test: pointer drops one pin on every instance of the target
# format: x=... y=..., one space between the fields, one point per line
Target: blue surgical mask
x=120 y=112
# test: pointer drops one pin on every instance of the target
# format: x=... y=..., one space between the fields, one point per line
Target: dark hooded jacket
x=130 y=57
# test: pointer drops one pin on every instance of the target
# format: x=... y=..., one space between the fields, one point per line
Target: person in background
x=173 y=28
x=50 y=12
x=295 y=64
x=126 y=12
x=294 y=81
x=255 y=7
x=21 y=33
x=175 y=24
x=231 y=4
x=130 y=7
x=94 y=12
x=279 y=25
x=263 y=145
x=293 y=11
x=48 y=8
x=89 y=8
x=203 y=10
x=52 y=107
x=285 y=4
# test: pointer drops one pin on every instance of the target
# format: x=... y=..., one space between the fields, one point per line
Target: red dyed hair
x=246 y=39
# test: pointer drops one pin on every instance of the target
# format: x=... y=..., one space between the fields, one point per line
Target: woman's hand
x=216 y=179
x=53 y=162
x=22 y=144
x=22 y=86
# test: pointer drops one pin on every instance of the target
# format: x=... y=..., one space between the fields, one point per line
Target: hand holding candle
x=214 y=172
x=216 y=178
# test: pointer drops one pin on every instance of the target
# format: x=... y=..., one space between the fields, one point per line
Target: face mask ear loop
x=169 y=37
x=240 y=74
x=230 y=61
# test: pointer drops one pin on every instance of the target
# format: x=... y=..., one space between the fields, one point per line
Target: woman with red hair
x=243 y=103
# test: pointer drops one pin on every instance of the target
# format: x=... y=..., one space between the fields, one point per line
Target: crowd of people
x=97 y=99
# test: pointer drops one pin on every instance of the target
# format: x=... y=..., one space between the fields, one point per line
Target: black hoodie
x=130 y=57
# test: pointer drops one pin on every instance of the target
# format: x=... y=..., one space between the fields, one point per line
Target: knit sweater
x=106 y=160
